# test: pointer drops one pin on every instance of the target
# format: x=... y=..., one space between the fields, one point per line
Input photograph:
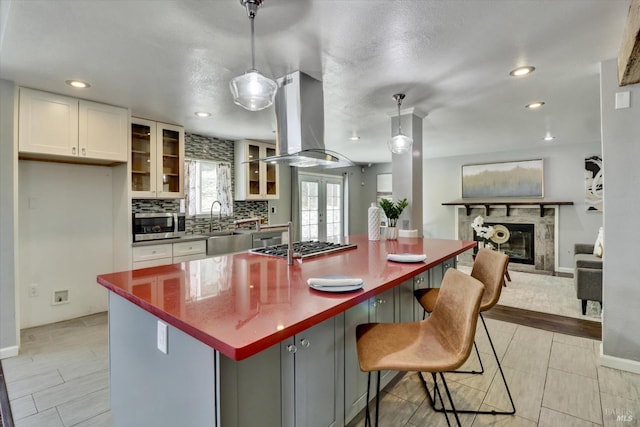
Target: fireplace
x=521 y=244
x=532 y=249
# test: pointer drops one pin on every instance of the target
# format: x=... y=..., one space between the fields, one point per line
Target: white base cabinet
x=168 y=253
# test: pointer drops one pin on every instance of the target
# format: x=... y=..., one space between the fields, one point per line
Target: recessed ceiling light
x=202 y=114
x=549 y=138
x=78 y=84
x=534 y=105
x=354 y=138
x=522 y=71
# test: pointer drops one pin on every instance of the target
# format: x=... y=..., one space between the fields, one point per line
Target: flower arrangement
x=484 y=233
x=393 y=210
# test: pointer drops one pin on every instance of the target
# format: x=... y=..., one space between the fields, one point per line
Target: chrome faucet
x=219 y=216
x=289 y=227
x=257 y=220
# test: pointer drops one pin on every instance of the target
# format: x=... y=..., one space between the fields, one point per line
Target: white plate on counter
x=335 y=283
x=406 y=257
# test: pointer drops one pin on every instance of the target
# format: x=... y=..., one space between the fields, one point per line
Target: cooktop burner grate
x=303 y=249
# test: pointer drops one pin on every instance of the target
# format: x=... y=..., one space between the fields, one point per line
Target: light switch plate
x=623 y=100
x=162 y=337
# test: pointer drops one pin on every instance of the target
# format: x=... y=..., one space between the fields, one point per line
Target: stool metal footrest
x=442 y=408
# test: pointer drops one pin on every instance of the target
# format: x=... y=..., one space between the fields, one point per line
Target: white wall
x=9 y=335
x=66 y=238
x=621 y=281
x=563 y=181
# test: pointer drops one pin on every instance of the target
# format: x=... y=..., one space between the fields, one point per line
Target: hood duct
x=300 y=125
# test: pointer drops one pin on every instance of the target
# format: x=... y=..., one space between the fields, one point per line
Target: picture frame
x=521 y=178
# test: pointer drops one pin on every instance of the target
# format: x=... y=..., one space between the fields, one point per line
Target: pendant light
x=252 y=90
x=400 y=143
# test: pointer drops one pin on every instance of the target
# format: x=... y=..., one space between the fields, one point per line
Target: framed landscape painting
x=523 y=178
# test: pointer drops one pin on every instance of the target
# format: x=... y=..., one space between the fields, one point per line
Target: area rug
x=544 y=293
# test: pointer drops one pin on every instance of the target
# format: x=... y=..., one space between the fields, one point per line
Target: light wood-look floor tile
x=585 y=343
x=85 y=407
x=103 y=420
x=71 y=390
x=23 y=407
x=576 y=360
x=573 y=394
x=619 y=383
x=463 y=398
x=526 y=390
x=551 y=418
x=34 y=384
x=48 y=418
x=618 y=411
x=483 y=420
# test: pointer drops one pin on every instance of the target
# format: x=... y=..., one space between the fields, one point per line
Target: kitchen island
x=248 y=342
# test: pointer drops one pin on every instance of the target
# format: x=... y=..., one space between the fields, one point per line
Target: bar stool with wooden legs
x=489 y=267
x=440 y=343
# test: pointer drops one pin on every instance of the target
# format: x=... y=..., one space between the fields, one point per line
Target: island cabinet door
x=378 y=309
x=312 y=372
x=407 y=308
x=437 y=272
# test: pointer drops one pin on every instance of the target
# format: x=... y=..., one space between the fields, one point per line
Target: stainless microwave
x=152 y=226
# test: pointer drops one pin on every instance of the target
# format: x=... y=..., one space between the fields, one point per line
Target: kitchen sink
x=227 y=241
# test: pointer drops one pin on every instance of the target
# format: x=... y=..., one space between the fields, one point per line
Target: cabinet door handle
x=291 y=348
x=381 y=301
x=305 y=343
x=73 y=150
x=84 y=151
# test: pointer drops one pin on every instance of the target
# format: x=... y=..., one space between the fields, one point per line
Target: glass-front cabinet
x=255 y=180
x=157 y=159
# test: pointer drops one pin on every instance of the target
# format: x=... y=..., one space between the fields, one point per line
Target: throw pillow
x=598 y=248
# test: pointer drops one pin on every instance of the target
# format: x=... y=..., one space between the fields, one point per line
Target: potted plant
x=393 y=211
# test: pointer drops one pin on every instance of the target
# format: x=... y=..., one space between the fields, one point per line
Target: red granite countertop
x=241 y=304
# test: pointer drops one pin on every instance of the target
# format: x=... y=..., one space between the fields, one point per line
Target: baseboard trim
x=567 y=270
x=619 y=363
x=9 y=352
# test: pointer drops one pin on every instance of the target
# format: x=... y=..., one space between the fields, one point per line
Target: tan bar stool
x=489 y=267
x=440 y=343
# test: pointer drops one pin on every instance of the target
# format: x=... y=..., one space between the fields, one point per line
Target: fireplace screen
x=520 y=246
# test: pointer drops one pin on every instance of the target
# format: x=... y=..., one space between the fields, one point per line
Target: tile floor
x=61 y=379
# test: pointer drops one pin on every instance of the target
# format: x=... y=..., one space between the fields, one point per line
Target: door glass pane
x=309 y=211
x=272 y=177
x=254 y=170
x=333 y=211
x=140 y=157
x=170 y=161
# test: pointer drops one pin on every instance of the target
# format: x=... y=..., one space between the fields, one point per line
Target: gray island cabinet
x=248 y=343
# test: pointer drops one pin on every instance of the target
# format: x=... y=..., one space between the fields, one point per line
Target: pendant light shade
x=252 y=90
x=400 y=143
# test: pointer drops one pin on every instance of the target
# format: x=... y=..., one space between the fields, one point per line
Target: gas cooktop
x=303 y=249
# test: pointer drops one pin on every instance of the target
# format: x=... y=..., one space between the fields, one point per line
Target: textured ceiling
x=167 y=59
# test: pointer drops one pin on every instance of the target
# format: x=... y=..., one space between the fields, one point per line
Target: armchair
x=587 y=275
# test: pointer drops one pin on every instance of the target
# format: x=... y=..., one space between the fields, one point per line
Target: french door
x=321 y=207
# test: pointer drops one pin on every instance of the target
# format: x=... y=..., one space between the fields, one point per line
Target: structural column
x=407 y=170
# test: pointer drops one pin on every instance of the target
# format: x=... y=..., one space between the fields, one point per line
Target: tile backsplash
x=206 y=148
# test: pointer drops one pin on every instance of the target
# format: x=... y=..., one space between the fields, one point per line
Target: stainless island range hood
x=300 y=125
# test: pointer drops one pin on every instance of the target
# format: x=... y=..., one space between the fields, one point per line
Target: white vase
x=392 y=233
x=373 y=220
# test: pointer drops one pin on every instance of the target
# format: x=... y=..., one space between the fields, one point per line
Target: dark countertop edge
x=248 y=350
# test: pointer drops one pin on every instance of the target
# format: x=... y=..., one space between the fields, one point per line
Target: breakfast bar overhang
x=242 y=340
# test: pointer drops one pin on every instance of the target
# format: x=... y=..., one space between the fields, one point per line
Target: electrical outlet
x=162 y=337
x=34 y=291
x=273 y=209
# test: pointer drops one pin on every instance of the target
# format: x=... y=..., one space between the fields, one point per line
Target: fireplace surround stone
x=544 y=232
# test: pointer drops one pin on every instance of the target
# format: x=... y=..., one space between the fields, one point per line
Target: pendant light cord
x=253 y=44
x=399 y=124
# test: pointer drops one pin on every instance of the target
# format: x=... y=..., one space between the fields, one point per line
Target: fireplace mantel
x=467 y=203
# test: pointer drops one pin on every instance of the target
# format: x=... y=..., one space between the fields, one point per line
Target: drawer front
x=148 y=253
x=189 y=248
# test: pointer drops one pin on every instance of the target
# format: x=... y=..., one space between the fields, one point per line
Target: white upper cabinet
x=157 y=160
x=255 y=180
x=59 y=127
